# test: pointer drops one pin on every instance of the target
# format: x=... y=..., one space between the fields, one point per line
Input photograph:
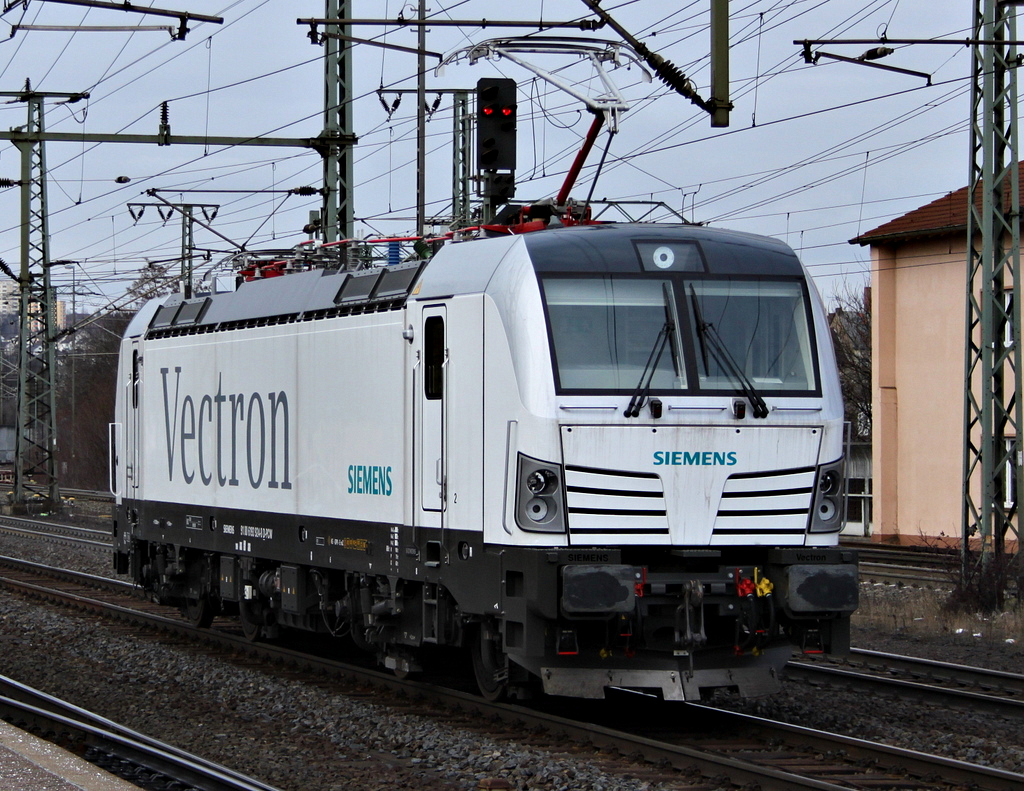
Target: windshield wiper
x=639 y=397
x=711 y=340
x=643 y=387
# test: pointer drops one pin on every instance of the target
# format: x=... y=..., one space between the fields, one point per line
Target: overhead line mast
x=992 y=401
x=337 y=216
x=35 y=442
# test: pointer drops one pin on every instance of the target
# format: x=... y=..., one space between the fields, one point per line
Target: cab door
x=430 y=455
x=133 y=423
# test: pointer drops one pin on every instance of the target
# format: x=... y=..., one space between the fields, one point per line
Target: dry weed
x=926 y=613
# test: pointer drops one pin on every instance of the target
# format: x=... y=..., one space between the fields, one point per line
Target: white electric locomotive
x=604 y=456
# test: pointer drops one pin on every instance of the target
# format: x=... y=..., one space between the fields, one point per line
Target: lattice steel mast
x=461 y=169
x=35 y=443
x=992 y=404
x=337 y=215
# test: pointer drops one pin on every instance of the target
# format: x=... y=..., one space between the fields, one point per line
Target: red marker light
x=506 y=111
x=488 y=110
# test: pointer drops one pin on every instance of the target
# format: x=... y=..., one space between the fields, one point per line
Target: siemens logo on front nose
x=704 y=458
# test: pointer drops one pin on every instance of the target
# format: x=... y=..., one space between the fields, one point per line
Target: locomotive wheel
x=199 y=611
x=199 y=606
x=488 y=663
x=252 y=624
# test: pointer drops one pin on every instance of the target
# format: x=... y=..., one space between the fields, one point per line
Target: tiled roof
x=942 y=217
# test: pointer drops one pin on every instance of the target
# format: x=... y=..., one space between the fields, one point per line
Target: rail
x=129 y=754
x=918 y=679
x=60 y=531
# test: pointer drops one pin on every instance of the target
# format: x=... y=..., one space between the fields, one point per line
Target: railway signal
x=496 y=124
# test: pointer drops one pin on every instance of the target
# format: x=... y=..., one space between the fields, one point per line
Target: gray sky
x=815 y=154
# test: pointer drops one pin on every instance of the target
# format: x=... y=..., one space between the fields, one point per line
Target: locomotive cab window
x=136 y=375
x=606 y=331
x=433 y=357
x=757 y=328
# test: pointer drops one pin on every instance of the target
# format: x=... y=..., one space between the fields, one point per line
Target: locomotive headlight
x=829 y=499
x=539 y=498
x=541 y=481
x=829 y=482
x=537 y=509
x=827 y=509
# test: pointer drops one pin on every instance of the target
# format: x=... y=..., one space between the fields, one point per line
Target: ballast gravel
x=294 y=734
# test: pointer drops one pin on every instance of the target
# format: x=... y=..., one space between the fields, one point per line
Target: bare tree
x=850 y=323
x=87 y=381
x=154 y=280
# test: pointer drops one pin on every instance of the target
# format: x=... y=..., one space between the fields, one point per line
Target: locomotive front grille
x=764 y=503
x=601 y=502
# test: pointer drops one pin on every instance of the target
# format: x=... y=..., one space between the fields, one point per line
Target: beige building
x=919 y=282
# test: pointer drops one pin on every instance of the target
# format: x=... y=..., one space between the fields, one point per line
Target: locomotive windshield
x=603 y=329
x=764 y=326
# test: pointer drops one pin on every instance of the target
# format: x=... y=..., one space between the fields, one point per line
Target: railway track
x=744 y=749
x=910 y=576
x=128 y=754
x=70 y=494
x=60 y=531
x=923 y=680
x=906 y=566
x=88 y=494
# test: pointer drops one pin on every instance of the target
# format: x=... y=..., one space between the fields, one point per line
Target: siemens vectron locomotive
x=604 y=456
